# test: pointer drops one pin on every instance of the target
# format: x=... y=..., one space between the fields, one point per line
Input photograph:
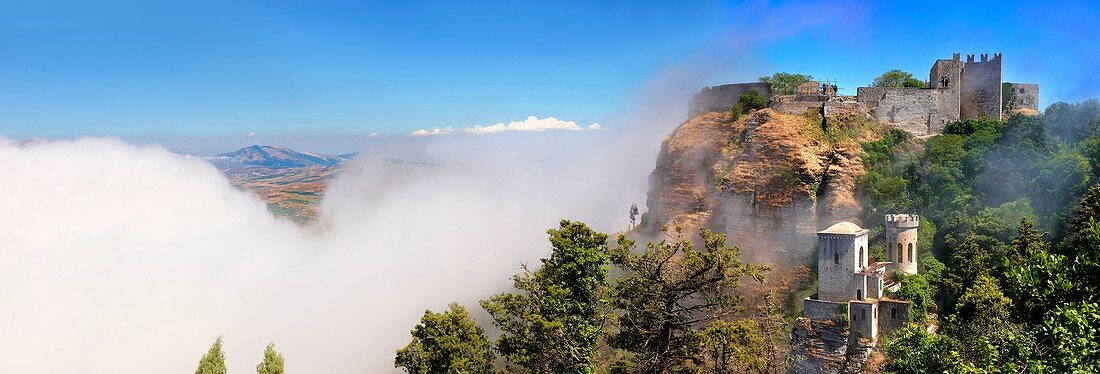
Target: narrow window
x=862 y=259
x=899 y=253
x=944 y=81
x=863 y=314
x=859 y=294
x=836 y=258
x=893 y=312
x=910 y=252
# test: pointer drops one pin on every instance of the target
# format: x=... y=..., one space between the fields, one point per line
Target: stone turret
x=843 y=253
x=901 y=241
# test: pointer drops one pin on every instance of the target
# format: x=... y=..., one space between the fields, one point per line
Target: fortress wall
x=947 y=103
x=1017 y=96
x=864 y=318
x=838 y=105
x=820 y=309
x=797 y=104
x=981 y=89
x=720 y=98
x=893 y=315
x=916 y=110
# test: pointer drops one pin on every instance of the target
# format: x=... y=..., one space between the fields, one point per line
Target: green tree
x=897 y=78
x=445 y=343
x=785 y=83
x=1073 y=329
x=735 y=347
x=668 y=291
x=752 y=101
x=272 y=363
x=633 y=214
x=553 y=325
x=914 y=350
x=983 y=316
x=213 y=362
x=917 y=289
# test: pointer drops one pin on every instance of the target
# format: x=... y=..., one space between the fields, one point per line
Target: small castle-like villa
x=955 y=90
x=846 y=276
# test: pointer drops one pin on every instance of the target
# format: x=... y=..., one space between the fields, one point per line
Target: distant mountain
x=272 y=157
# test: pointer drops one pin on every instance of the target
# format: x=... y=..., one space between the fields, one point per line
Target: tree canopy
x=213 y=362
x=444 y=343
x=272 y=363
x=897 y=78
x=783 y=83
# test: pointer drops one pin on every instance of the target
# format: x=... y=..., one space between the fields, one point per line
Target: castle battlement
x=956 y=90
x=902 y=220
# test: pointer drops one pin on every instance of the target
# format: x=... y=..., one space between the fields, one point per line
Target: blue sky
x=153 y=69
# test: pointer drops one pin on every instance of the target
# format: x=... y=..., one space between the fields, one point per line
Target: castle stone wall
x=1020 y=96
x=838 y=105
x=864 y=318
x=893 y=315
x=797 y=104
x=916 y=110
x=981 y=88
x=820 y=309
x=720 y=98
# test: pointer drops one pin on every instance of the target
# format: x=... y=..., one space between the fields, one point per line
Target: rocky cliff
x=766 y=178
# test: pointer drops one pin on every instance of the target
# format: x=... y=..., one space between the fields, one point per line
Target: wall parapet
x=821 y=309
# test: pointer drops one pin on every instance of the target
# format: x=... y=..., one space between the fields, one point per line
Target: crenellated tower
x=901 y=241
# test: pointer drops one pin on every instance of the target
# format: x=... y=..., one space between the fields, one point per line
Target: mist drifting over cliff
x=133 y=258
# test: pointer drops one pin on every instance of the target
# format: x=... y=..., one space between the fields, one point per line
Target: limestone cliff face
x=767 y=179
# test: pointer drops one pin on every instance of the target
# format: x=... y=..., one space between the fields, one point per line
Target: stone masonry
x=955 y=90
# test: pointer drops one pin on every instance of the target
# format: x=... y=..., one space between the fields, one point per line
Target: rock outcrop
x=825 y=346
x=766 y=179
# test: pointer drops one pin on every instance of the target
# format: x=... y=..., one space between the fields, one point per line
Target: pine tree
x=213 y=362
x=554 y=324
x=669 y=291
x=448 y=342
x=273 y=361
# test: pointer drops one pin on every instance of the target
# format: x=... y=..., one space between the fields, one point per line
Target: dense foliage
x=668 y=308
x=447 y=342
x=554 y=324
x=1008 y=296
x=213 y=362
x=897 y=78
x=670 y=290
x=272 y=363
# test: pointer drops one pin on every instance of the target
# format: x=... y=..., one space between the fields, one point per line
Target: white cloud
x=252 y=133
x=531 y=123
x=373 y=135
x=435 y=131
x=115 y=256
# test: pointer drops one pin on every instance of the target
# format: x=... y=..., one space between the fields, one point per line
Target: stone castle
x=846 y=276
x=853 y=306
x=955 y=90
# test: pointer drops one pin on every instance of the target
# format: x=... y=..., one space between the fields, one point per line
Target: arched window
x=859 y=294
x=836 y=258
x=910 y=252
x=893 y=312
x=862 y=258
x=899 y=253
x=944 y=82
